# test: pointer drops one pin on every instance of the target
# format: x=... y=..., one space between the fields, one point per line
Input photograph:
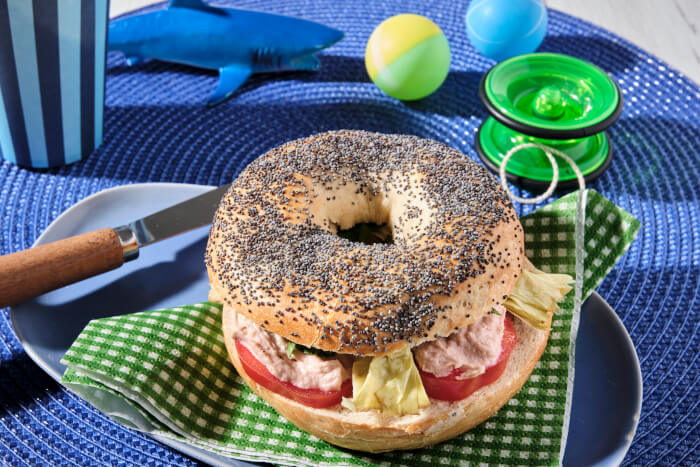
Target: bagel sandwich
x=375 y=290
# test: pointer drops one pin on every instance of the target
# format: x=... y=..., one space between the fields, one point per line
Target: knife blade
x=180 y=218
x=32 y=272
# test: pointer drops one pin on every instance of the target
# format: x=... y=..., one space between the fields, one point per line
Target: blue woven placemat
x=158 y=129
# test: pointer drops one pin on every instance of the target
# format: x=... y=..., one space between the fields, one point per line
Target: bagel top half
x=273 y=254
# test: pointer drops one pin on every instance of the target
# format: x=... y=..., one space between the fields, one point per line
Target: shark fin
x=230 y=79
x=307 y=62
x=191 y=4
x=134 y=60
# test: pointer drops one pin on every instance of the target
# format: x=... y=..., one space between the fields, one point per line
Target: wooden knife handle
x=30 y=273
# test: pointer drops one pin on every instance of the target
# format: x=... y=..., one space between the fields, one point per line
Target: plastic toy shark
x=238 y=43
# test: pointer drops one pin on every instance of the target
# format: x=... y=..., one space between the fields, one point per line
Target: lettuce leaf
x=536 y=296
x=291 y=347
x=390 y=383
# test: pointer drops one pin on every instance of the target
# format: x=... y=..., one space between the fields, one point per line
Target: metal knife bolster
x=130 y=245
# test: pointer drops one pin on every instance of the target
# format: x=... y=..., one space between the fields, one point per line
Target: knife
x=30 y=273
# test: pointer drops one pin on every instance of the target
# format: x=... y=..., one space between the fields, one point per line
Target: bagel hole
x=367 y=233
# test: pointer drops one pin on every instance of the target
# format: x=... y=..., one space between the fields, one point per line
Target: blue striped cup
x=52 y=63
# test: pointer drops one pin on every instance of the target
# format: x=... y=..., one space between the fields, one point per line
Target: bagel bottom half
x=373 y=431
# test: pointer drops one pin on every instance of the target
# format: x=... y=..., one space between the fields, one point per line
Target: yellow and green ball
x=408 y=57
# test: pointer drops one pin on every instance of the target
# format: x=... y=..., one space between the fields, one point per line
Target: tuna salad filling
x=472 y=349
x=301 y=369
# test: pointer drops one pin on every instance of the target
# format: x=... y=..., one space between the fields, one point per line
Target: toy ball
x=500 y=29
x=407 y=57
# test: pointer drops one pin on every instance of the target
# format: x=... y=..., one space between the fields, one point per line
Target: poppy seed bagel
x=274 y=255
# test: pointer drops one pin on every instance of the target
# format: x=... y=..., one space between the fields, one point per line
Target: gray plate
x=608 y=385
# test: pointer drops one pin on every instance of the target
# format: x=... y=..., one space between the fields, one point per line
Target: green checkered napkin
x=167 y=371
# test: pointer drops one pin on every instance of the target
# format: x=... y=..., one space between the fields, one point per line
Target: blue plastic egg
x=500 y=29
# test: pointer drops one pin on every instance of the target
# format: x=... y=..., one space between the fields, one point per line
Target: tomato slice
x=312 y=397
x=449 y=388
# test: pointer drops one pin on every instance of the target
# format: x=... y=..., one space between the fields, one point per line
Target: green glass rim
x=597 y=83
x=491 y=156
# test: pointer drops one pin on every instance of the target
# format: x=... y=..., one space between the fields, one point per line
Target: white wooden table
x=668 y=29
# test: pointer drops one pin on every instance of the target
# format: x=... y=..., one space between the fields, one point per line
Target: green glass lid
x=530 y=167
x=551 y=95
